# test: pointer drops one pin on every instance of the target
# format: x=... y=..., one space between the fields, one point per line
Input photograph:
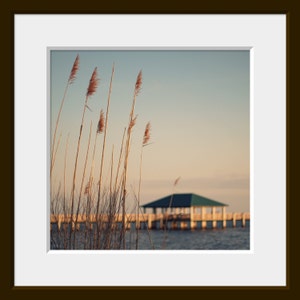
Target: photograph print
x=149 y=149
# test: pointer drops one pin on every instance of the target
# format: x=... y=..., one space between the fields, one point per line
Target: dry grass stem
x=166 y=214
x=54 y=154
x=70 y=80
x=146 y=139
x=64 y=195
x=87 y=188
x=95 y=206
x=137 y=89
x=82 y=180
x=103 y=152
x=119 y=163
x=90 y=91
x=132 y=123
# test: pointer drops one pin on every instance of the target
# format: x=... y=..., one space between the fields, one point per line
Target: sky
x=198 y=104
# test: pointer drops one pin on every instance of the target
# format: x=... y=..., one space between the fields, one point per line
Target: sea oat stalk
x=100 y=128
x=137 y=90
x=146 y=139
x=82 y=181
x=53 y=155
x=64 y=195
x=102 y=156
x=71 y=79
x=116 y=191
x=166 y=215
x=90 y=91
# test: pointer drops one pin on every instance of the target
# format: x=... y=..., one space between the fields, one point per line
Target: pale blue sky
x=198 y=106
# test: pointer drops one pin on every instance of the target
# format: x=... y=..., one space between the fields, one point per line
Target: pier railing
x=159 y=220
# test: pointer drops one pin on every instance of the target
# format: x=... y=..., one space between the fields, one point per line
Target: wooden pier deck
x=160 y=220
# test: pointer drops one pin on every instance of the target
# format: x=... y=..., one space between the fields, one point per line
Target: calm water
x=210 y=239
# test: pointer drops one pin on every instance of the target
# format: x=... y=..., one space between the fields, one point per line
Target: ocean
x=210 y=239
x=229 y=238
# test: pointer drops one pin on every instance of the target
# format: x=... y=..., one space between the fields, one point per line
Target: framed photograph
x=247 y=53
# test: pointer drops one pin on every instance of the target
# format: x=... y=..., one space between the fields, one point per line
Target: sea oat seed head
x=138 y=83
x=74 y=70
x=101 y=122
x=132 y=123
x=176 y=181
x=93 y=84
x=147 y=134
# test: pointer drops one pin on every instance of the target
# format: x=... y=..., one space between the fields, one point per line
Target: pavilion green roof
x=183 y=200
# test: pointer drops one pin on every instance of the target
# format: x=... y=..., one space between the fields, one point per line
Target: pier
x=176 y=211
x=175 y=221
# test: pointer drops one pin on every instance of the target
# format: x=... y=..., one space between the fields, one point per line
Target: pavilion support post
x=127 y=224
x=214 y=220
x=59 y=222
x=183 y=225
x=138 y=223
x=91 y=226
x=73 y=225
x=155 y=217
x=161 y=219
x=234 y=220
x=181 y=222
x=203 y=217
x=192 y=218
x=149 y=221
x=174 y=224
x=224 y=216
x=244 y=220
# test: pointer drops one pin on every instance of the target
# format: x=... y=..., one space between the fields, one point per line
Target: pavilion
x=191 y=204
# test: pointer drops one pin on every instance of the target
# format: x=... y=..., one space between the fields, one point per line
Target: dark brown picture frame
x=8 y=290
